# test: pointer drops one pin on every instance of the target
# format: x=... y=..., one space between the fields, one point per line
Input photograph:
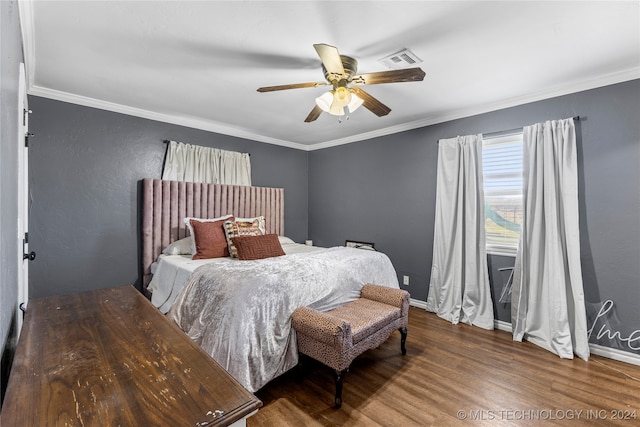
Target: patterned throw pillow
x=260 y=219
x=250 y=227
x=257 y=247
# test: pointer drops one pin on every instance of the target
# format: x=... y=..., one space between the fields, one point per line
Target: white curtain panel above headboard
x=193 y=163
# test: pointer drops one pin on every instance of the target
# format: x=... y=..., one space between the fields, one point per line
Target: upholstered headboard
x=166 y=203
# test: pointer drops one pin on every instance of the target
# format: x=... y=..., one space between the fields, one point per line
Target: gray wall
x=85 y=169
x=10 y=59
x=86 y=165
x=383 y=191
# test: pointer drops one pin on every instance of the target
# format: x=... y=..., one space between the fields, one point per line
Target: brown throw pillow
x=237 y=227
x=209 y=238
x=258 y=247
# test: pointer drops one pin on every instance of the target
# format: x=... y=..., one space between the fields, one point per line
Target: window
x=502 y=174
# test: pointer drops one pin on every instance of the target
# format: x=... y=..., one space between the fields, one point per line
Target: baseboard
x=615 y=354
x=596 y=349
x=418 y=303
x=501 y=325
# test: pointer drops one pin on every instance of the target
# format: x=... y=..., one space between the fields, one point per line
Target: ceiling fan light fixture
x=341 y=99
x=340 y=71
x=336 y=109
x=325 y=101
x=329 y=104
x=355 y=102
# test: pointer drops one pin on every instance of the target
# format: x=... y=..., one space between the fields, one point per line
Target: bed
x=239 y=311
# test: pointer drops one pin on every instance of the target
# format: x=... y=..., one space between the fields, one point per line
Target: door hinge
x=24 y=116
x=26 y=138
x=25 y=242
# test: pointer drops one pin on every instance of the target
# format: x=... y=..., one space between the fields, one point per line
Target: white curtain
x=193 y=163
x=547 y=301
x=459 y=285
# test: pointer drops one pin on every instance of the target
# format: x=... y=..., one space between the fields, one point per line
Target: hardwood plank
x=108 y=357
x=449 y=368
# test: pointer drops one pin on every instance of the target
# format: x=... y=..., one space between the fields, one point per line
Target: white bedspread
x=240 y=312
x=170 y=273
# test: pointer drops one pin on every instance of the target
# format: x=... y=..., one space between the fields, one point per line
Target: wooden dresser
x=109 y=358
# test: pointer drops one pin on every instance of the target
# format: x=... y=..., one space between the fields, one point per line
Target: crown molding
x=207 y=125
x=217 y=127
x=28 y=35
x=25 y=10
x=577 y=86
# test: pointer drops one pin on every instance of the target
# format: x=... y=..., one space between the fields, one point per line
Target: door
x=23 y=198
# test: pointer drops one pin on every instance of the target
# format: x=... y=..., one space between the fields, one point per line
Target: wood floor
x=457 y=375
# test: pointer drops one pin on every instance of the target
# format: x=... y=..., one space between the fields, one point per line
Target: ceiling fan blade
x=371 y=103
x=291 y=86
x=394 y=76
x=330 y=58
x=313 y=115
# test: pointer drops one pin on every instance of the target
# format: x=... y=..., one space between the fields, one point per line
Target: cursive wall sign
x=608 y=332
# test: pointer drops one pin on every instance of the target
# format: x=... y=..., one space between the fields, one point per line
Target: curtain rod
x=514 y=131
x=166 y=141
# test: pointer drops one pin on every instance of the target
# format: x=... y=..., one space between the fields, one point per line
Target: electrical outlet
x=405 y=280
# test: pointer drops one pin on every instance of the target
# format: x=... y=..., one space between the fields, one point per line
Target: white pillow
x=285 y=240
x=180 y=247
x=187 y=222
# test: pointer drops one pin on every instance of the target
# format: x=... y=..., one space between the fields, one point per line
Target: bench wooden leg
x=300 y=369
x=403 y=340
x=339 y=376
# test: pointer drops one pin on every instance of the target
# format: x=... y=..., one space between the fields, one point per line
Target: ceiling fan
x=340 y=72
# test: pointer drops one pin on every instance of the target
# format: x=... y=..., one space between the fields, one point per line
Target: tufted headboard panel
x=166 y=203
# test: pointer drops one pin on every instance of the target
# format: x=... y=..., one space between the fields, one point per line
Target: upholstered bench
x=336 y=337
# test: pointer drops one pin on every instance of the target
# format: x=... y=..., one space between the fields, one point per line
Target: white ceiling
x=199 y=63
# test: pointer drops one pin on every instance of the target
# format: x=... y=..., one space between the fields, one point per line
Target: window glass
x=502 y=174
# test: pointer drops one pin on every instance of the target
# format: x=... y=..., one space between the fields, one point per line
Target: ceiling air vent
x=401 y=59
